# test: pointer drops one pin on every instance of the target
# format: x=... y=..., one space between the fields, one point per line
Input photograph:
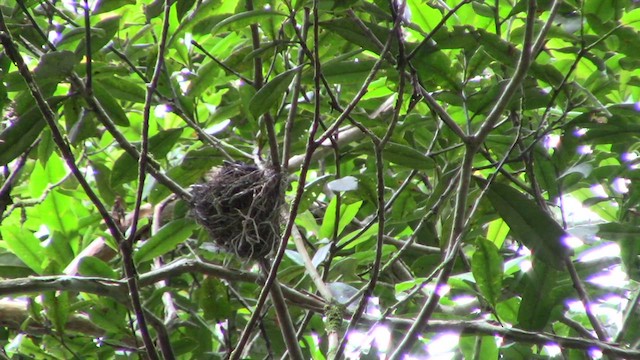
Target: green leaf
x=352 y=32
x=183 y=7
x=54 y=66
x=271 y=93
x=497 y=232
x=104 y=32
x=529 y=224
x=92 y=266
x=246 y=18
x=346 y=72
x=124 y=89
x=125 y=168
x=213 y=299
x=407 y=156
x=104 y=6
x=25 y=246
x=165 y=240
x=350 y=240
x=12 y=267
x=15 y=139
x=537 y=303
x=347 y=213
x=486 y=267
x=56 y=306
x=110 y=105
x=57 y=214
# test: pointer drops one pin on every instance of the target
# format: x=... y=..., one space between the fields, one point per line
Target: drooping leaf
x=486 y=266
x=537 y=303
x=15 y=139
x=407 y=156
x=271 y=93
x=529 y=224
x=110 y=105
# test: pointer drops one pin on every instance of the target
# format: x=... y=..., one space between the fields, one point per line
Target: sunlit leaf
x=165 y=240
x=25 y=246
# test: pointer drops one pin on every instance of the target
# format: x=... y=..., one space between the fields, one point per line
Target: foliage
x=443 y=158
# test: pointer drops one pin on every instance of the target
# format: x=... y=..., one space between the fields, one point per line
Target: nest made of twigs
x=239 y=205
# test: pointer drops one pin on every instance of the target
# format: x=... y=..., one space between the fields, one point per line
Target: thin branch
x=222 y=64
x=258 y=82
x=87 y=43
x=284 y=319
x=522 y=68
x=295 y=93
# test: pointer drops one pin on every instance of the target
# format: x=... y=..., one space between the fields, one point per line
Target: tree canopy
x=319 y=179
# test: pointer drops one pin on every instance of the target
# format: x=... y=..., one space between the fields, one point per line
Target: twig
x=87 y=42
x=284 y=319
x=258 y=82
x=308 y=264
x=295 y=93
x=222 y=64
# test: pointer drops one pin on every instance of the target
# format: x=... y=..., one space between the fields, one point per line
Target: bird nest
x=239 y=206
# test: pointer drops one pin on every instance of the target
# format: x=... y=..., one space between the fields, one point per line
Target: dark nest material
x=240 y=207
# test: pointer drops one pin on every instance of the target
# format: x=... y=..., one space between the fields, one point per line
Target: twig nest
x=239 y=206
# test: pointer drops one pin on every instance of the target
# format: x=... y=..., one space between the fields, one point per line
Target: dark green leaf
x=537 y=303
x=103 y=6
x=184 y=6
x=17 y=138
x=56 y=306
x=54 y=66
x=125 y=168
x=213 y=299
x=486 y=267
x=529 y=224
x=124 y=89
x=245 y=18
x=352 y=32
x=407 y=156
x=104 y=32
x=110 y=105
x=271 y=93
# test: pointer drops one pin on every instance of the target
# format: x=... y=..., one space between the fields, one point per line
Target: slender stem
x=222 y=64
x=258 y=82
x=295 y=93
x=87 y=42
x=284 y=319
